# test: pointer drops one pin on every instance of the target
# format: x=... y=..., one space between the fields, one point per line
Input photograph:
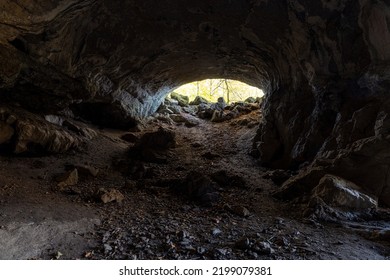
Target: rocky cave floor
x=152 y=210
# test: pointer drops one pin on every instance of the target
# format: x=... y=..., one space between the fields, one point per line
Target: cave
x=97 y=162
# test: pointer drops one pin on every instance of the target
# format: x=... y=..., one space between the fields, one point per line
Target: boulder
x=250 y=100
x=199 y=100
x=339 y=193
x=182 y=99
x=219 y=105
x=161 y=139
x=178 y=118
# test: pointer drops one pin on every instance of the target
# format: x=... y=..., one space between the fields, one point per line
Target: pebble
x=216 y=231
x=243 y=243
x=264 y=248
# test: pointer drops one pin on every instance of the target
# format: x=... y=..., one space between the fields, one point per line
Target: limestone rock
x=182 y=99
x=164 y=109
x=86 y=170
x=154 y=146
x=161 y=139
x=250 y=100
x=264 y=248
x=111 y=195
x=178 y=118
x=80 y=129
x=188 y=120
x=219 y=105
x=34 y=134
x=170 y=101
x=340 y=193
x=199 y=100
x=70 y=178
x=54 y=119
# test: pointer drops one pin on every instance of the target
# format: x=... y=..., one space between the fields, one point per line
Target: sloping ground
x=161 y=215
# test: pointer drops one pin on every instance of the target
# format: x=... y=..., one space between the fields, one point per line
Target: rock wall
x=324 y=65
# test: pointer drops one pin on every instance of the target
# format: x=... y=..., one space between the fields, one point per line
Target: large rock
x=154 y=146
x=339 y=193
x=199 y=100
x=161 y=139
x=366 y=163
x=182 y=99
x=27 y=132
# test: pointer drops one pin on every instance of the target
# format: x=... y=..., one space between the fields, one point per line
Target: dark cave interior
x=83 y=86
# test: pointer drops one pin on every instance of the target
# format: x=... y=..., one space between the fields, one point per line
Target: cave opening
x=212 y=89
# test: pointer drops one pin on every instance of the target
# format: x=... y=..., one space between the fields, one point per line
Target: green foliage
x=211 y=89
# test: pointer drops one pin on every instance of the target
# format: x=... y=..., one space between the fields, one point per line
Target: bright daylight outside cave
x=178 y=129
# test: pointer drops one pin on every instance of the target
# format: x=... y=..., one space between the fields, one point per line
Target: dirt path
x=156 y=220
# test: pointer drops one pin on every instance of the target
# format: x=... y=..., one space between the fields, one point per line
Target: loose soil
x=39 y=220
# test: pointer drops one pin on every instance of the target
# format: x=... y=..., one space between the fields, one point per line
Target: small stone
x=222 y=251
x=216 y=231
x=188 y=120
x=243 y=243
x=87 y=170
x=58 y=255
x=281 y=241
x=183 y=234
x=240 y=211
x=107 y=248
x=201 y=250
x=54 y=119
x=111 y=195
x=264 y=248
x=70 y=178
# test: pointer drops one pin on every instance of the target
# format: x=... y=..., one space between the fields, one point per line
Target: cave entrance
x=212 y=89
x=217 y=100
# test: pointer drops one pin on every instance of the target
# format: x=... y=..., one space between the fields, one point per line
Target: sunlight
x=212 y=89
